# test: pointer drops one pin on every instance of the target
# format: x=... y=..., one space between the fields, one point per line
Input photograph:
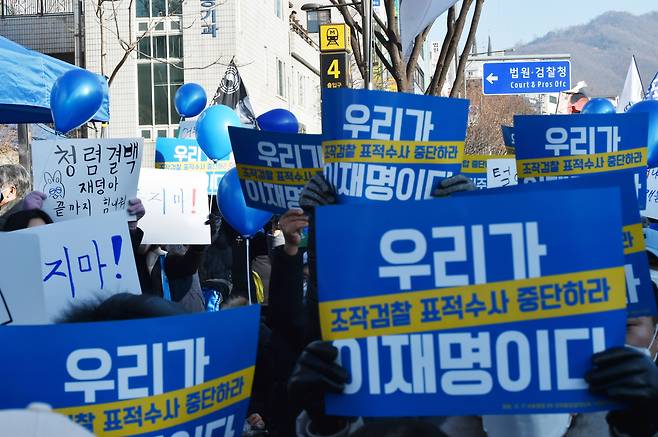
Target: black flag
x=232 y=93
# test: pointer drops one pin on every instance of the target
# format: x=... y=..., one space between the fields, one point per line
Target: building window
x=278 y=8
x=159 y=75
x=158 y=8
x=315 y=18
x=280 y=78
x=552 y=99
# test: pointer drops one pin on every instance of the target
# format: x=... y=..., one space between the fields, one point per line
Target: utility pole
x=367 y=42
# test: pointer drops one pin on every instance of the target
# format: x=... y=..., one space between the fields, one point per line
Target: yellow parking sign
x=334 y=38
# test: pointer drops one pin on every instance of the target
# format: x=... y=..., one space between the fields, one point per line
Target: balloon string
x=248 y=271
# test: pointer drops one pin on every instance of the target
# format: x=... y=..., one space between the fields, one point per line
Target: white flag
x=633 y=89
x=416 y=15
x=652 y=92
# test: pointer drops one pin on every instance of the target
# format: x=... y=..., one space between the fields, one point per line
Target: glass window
x=143 y=27
x=552 y=99
x=176 y=46
x=175 y=7
x=176 y=73
x=162 y=133
x=159 y=26
x=278 y=8
x=144 y=90
x=146 y=133
x=142 y=9
x=160 y=93
x=315 y=18
x=160 y=47
x=175 y=25
x=144 y=48
x=158 y=8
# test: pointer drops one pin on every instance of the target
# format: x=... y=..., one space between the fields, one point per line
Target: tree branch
x=415 y=52
x=450 y=30
x=467 y=48
x=454 y=43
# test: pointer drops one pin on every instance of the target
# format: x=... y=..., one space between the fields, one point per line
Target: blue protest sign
x=640 y=298
x=186 y=154
x=472 y=305
x=147 y=377
x=529 y=77
x=274 y=167
x=550 y=147
x=381 y=146
x=508 y=135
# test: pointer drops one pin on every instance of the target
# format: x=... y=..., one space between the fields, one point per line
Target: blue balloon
x=278 y=120
x=75 y=98
x=190 y=100
x=231 y=203
x=212 y=130
x=650 y=107
x=599 y=106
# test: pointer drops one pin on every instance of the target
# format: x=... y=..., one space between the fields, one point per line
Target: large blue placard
x=488 y=304
x=274 y=167
x=186 y=154
x=550 y=147
x=146 y=377
x=380 y=146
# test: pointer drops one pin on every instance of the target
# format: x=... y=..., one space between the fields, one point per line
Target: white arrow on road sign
x=491 y=78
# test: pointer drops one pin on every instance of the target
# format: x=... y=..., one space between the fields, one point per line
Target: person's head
x=14 y=182
x=122 y=306
x=26 y=219
x=641 y=332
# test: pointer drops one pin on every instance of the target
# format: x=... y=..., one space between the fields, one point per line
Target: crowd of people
x=295 y=369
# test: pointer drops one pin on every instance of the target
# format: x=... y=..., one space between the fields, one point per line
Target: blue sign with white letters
x=489 y=304
x=381 y=146
x=274 y=167
x=531 y=77
x=186 y=154
x=149 y=377
x=640 y=298
x=550 y=147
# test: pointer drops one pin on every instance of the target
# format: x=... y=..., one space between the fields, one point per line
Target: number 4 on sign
x=334 y=69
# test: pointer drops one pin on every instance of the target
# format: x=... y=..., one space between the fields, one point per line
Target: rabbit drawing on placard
x=54 y=187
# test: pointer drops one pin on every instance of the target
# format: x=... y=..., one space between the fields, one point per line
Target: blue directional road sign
x=532 y=77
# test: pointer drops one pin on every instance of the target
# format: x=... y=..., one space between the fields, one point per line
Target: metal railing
x=15 y=8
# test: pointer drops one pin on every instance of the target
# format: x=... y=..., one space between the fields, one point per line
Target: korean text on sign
x=475 y=168
x=380 y=146
x=177 y=207
x=470 y=305
x=186 y=154
x=274 y=167
x=86 y=178
x=557 y=146
x=84 y=259
x=139 y=377
x=640 y=298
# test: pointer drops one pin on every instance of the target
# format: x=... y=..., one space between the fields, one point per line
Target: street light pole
x=366 y=6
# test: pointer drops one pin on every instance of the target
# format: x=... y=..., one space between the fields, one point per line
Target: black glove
x=624 y=375
x=317 y=192
x=454 y=184
x=315 y=375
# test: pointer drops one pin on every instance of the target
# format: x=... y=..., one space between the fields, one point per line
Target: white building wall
x=248 y=31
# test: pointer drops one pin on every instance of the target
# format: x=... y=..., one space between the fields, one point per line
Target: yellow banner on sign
x=393 y=152
x=165 y=410
x=582 y=164
x=335 y=38
x=278 y=176
x=475 y=305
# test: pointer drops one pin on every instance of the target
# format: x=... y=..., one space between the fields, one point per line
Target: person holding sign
x=14 y=183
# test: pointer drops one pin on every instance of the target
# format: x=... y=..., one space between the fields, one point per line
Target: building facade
x=161 y=44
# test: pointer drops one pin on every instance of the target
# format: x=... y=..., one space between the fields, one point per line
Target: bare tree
x=111 y=27
x=388 y=46
x=487 y=114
